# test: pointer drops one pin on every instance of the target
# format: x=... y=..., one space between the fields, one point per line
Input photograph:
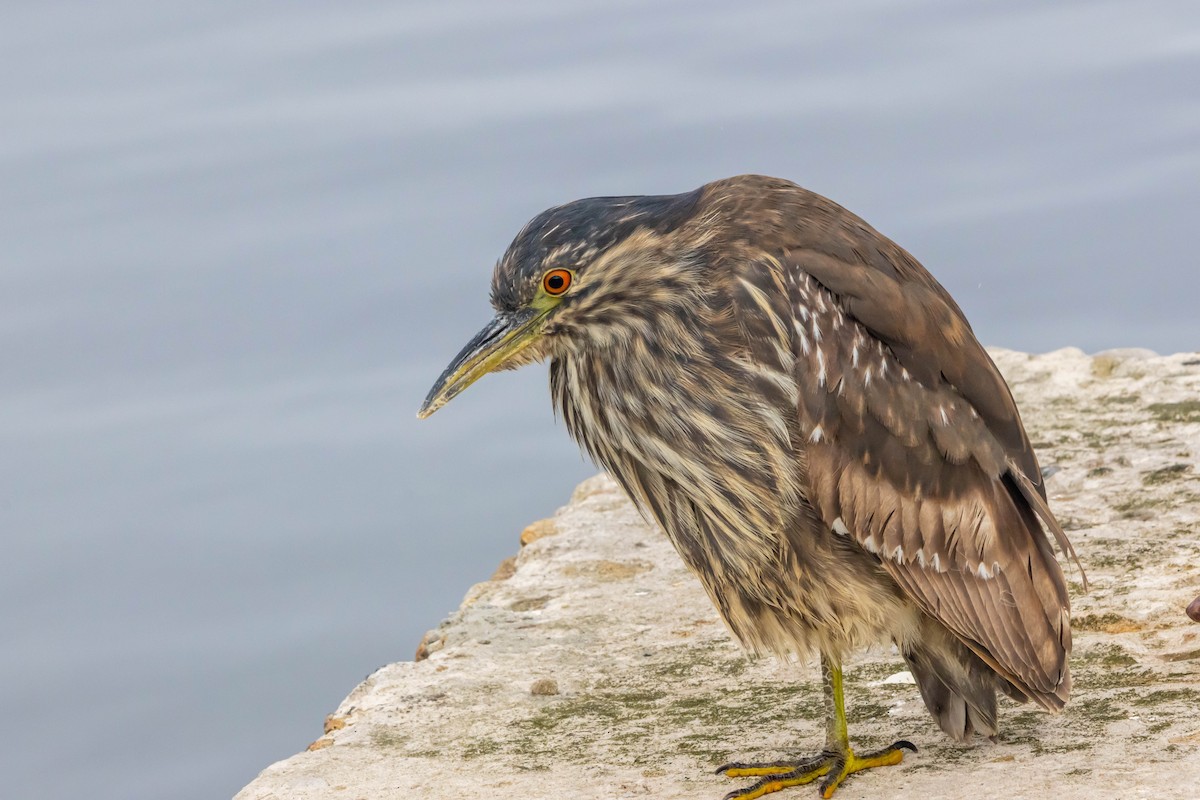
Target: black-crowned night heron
x=807 y=414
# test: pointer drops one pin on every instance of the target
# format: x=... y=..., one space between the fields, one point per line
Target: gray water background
x=238 y=241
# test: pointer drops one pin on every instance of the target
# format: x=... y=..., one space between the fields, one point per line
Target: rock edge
x=593 y=666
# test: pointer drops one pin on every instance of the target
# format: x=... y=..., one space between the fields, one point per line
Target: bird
x=808 y=416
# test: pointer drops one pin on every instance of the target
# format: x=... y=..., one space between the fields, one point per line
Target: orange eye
x=557 y=281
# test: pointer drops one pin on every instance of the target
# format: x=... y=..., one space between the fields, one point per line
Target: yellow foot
x=831 y=765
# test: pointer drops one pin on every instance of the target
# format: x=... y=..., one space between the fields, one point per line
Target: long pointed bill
x=501 y=339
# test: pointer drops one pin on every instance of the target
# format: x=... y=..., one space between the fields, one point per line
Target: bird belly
x=809 y=597
x=781 y=580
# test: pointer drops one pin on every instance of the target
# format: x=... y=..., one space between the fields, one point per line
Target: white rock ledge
x=598 y=669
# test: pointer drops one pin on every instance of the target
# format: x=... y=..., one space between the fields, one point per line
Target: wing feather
x=923 y=457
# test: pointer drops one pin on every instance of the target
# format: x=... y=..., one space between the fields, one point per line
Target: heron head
x=568 y=271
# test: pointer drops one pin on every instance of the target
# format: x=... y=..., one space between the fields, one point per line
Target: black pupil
x=555 y=282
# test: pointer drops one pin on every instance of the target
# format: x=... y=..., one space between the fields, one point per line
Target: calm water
x=239 y=241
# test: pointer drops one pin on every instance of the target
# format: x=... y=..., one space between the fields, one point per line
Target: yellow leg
x=836 y=762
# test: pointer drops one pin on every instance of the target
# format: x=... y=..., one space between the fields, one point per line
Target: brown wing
x=916 y=450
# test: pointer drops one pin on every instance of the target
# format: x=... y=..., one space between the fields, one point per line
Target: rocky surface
x=593 y=665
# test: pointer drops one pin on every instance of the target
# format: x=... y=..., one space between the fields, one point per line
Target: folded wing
x=915 y=449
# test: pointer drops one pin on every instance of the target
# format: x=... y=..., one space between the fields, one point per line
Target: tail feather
x=958 y=688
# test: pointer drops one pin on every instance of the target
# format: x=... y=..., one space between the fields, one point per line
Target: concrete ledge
x=595 y=667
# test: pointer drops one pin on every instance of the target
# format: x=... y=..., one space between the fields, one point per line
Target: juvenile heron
x=807 y=414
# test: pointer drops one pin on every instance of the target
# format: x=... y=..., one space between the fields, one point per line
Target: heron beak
x=499 y=341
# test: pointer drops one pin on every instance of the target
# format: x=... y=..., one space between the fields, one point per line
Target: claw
x=835 y=763
x=834 y=766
